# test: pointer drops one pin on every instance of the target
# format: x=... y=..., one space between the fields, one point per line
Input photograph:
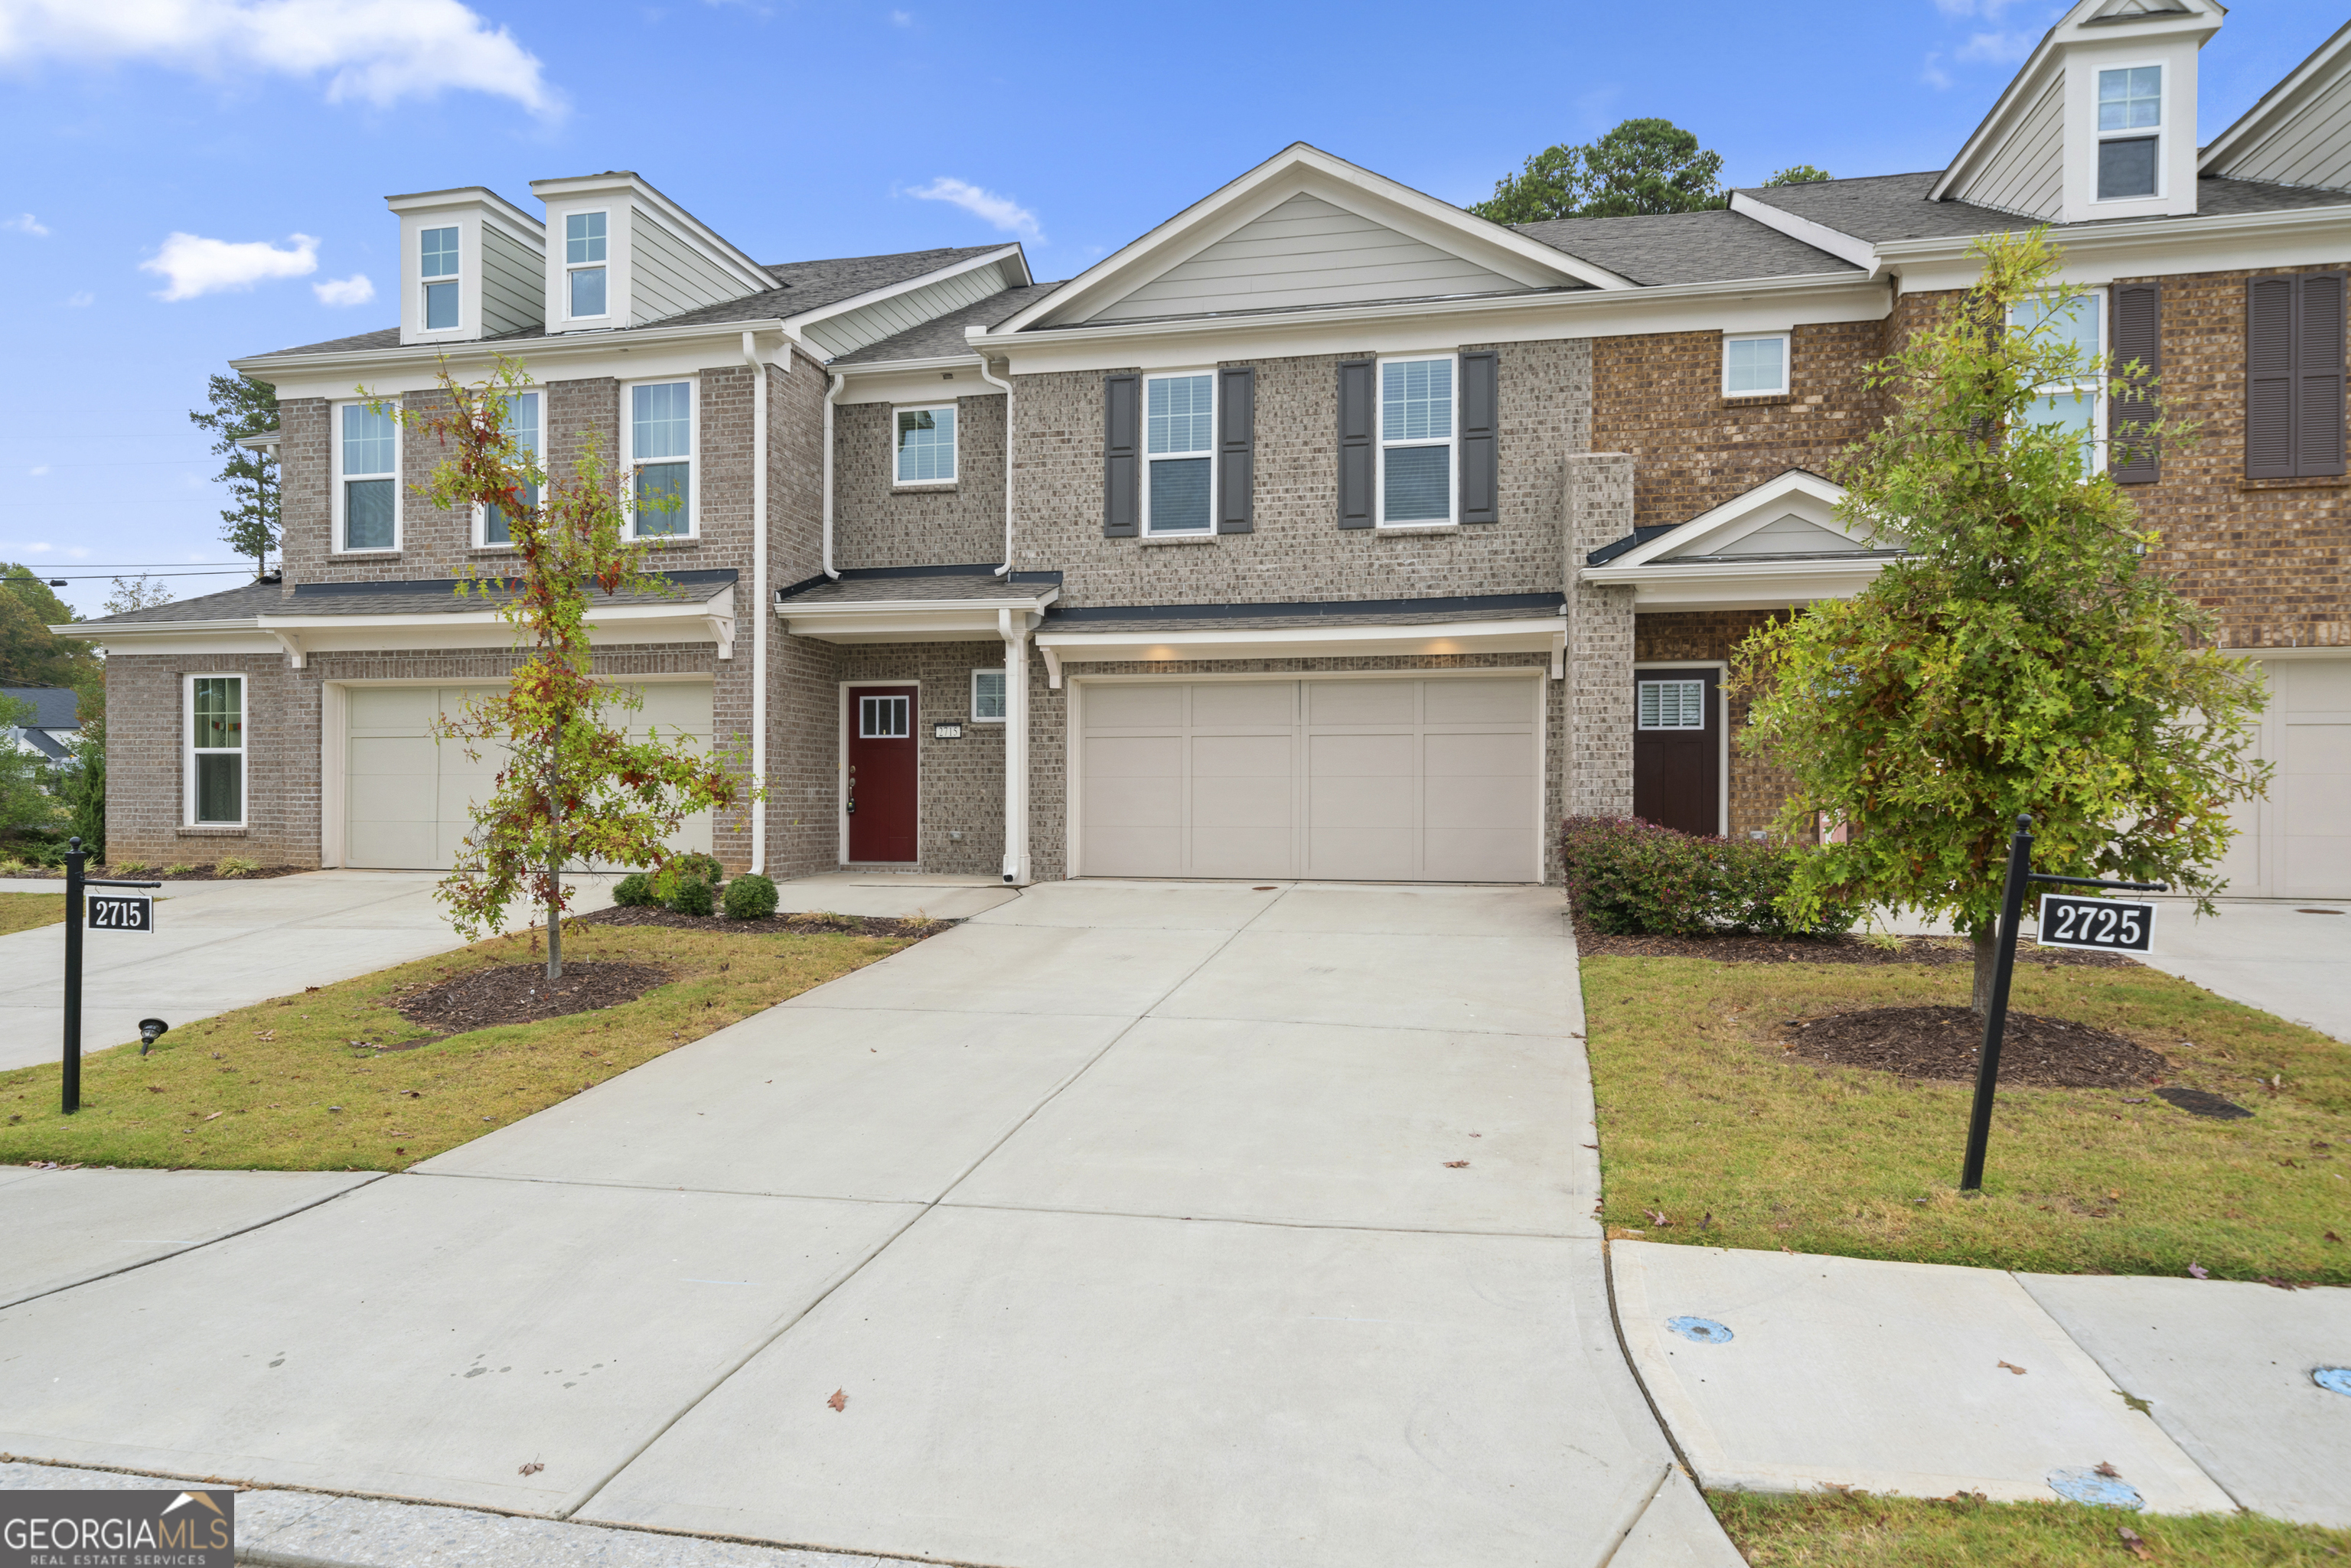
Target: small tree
x=242 y=407
x=2022 y=656
x=574 y=787
x=132 y=594
x=1641 y=166
x=1799 y=174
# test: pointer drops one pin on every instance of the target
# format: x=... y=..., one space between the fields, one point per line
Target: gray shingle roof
x=943 y=337
x=40 y=741
x=1882 y=207
x=54 y=708
x=921 y=589
x=1684 y=248
x=436 y=596
x=231 y=604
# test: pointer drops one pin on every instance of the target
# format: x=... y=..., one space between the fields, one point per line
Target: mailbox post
x=76 y=916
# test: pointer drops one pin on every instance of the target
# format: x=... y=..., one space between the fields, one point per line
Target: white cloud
x=27 y=223
x=354 y=290
x=378 y=51
x=901 y=19
x=38 y=470
x=1000 y=212
x=1998 y=48
x=81 y=296
x=1933 y=74
x=198 y=265
x=1989 y=10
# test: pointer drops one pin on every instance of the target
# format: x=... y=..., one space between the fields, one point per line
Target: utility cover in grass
x=1941 y=1042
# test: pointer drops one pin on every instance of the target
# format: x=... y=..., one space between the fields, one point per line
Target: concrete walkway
x=2280 y=958
x=1136 y=1223
x=218 y=945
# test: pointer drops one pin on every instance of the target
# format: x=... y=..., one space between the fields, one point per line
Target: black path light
x=2120 y=937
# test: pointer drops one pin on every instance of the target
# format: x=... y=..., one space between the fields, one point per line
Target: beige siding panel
x=2028 y=174
x=1306 y=251
x=2312 y=148
x=668 y=274
x=2297 y=843
x=514 y=283
x=852 y=329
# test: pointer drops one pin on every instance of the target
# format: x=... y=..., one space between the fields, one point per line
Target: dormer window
x=2130 y=140
x=583 y=261
x=439 y=270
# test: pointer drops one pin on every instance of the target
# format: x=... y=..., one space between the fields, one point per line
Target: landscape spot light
x=150 y=1030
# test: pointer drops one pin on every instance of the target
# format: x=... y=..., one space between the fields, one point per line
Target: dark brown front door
x=1678 y=749
x=881 y=773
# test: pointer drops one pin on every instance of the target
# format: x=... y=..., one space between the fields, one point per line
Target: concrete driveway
x=218 y=945
x=1135 y=1223
x=2291 y=959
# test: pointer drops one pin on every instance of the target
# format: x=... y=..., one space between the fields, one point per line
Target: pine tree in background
x=240 y=408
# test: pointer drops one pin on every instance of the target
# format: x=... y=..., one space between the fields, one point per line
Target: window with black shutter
x=2137 y=338
x=2294 y=376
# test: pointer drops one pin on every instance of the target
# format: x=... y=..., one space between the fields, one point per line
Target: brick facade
x=1757 y=787
x=875 y=523
x=960 y=803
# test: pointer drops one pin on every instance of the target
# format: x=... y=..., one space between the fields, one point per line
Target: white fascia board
x=2100 y=253
x=1756 y=305
x=909 y=619
x=714 y=246
x=1529 y=634
x=653 y=350
x=489 y=201
x=97 y=632
x=2279 y=103
x=1764 y=585
x=996 y=258
x=1727 y=518
x=1820 y=236
x=915 y=381
x=1277 y=179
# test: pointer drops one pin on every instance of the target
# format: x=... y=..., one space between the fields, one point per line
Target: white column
x=1013 y=626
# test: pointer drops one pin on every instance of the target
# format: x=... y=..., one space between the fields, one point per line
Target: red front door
x=881 y=773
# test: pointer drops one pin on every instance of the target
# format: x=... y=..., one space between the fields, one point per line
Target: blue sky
x=263 y=135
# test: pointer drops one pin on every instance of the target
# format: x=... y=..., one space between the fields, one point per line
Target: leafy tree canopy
x=1799 y=174
x=240 y=407
x=29 y=654
x=1642 y=166
x=2024 y=656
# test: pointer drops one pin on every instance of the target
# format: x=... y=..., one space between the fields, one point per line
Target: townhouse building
x=1326 y=530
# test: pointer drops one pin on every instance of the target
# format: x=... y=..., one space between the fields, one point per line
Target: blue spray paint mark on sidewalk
x=2335 y=1379
x=1705 y=1331
x=2089 y=1486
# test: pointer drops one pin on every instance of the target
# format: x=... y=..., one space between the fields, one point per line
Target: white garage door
x=2297 y=843
x=1368 y=780
x=408 y=800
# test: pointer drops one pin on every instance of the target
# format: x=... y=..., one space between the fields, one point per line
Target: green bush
x=751 y=897
x=698 y=868
x=633 y=891
x=235 y=866
x=692 y=897
x=1629 y=878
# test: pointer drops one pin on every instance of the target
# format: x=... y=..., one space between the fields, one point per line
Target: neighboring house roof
x=943 y=337
x=1685 y=248
x=428 y=597
x=54 y=708
x=1879 y=208
x=42 y=742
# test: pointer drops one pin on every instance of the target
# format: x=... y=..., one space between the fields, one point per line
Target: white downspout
x=989 y=376
x=761 y=611
x=840 y=379
x=1012 y=625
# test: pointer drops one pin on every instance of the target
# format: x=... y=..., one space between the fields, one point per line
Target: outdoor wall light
x=149 y=1031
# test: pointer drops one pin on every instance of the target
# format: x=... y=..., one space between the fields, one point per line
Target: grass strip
x=307 y=1082
x=23 y=911
x=1857 y=1530
x=1705 y=1120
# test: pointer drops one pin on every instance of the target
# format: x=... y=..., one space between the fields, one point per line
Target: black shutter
x=1481 y=394
x=1236 y=448
x=2269 y=378
x=1121 y=455
x=2318 y=375
x=2138 y=336
x=1357 y=407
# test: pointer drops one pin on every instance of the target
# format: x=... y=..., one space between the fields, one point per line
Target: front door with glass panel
x=880 y=785
x=1678 y=749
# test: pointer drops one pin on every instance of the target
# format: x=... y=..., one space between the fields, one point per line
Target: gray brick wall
x=875 y=524
x=1596 y=503
x=962 y=781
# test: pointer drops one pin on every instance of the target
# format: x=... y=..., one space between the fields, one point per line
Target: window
x=885 y=718
x=583 y=263
x=2130 y=118
x=2079 y=403
x=522 y=423
x=216 y=751
x=439 y=262
x=660 y=459
x=1755 y=367
x=1415 y=441
x=1180 y=420
x=987 y=697
x=926 y=446
x=367 y=490
x=1669 y=704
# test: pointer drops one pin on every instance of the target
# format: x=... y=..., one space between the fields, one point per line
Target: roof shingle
x=1684 y=248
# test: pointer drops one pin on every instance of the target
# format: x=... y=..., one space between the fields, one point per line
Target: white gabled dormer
x=469 y=265
x=2101 y=121
x=620 y=254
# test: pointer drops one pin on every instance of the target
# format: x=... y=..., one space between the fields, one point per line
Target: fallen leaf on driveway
x=214 y=1117
x=1454 y=1165
x=2198 y=1271
x=2108 y=1470
x=839 y=1400
x=2013 y=1368
x=531 y=1469
x=1657 y=1217
x=2137 y=1544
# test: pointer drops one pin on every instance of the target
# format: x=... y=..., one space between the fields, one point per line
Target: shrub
x=633 y=891
x=1631 y=879
x=700 y=868
x=751 y=897
x=692 y=897
x=178 y=869
x=131 y=868
x=235 y=865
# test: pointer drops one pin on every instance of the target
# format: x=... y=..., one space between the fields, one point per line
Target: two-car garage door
x=408 y=800
x=1408 y=779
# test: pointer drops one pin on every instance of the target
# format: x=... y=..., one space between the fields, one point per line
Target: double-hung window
x=926 y=451
x=2130 y=132
x=1416 y=430
x=439 y=270
x=2077 y=403
x=367 y=484
x=1179 y=444
x=1755 y=366
x=583 y=266
x=216 y=776
x=987 y=697
x=659 y=425
x=522 y=423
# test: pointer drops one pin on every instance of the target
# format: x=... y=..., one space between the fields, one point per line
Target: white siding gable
x=2026 y=174
x=852 y=329
x=1304 y=252
x=1786 y=535
x=668 y=273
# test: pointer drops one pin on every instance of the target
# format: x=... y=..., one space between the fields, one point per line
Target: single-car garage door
x=1427 y=779
x=2297 y=843
x=408 y=800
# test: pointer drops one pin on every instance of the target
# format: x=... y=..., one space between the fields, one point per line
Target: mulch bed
x=1941 y=1043
x=520 y=993
x=1848 y=949
x=155 y=873
x=778 y=925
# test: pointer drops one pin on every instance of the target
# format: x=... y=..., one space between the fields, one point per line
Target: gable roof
x=54 y=708
x=942 y=338
x=1685 y=248
x=2261 y=140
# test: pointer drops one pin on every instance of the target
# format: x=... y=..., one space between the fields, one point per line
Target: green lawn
x=1702 y=1114
x=282 y=1086
x=1834 y=1529
x=23 y=911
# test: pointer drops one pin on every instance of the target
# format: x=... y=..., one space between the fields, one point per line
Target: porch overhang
x=909 y=620
x=1661 y=586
